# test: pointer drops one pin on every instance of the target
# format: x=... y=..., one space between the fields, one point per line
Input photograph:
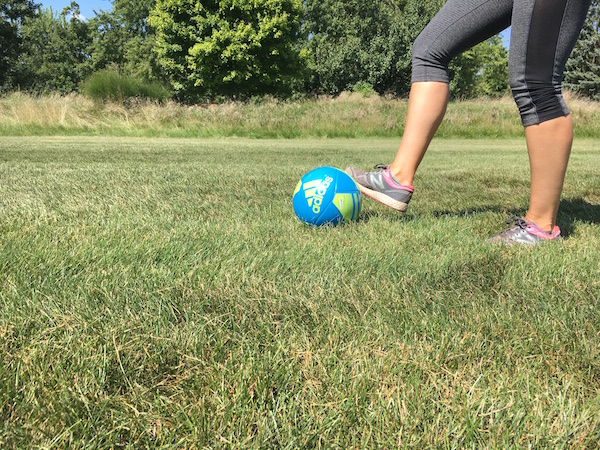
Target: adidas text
x=315 y=191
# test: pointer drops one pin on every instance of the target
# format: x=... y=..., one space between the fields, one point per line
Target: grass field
x=159 y=293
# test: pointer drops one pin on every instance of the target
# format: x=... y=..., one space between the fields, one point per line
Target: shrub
x=363 y=88
x=109 y=85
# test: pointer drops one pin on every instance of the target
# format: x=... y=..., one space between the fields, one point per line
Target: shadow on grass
x=576 y=210
x=571 y=211
x=392 y=216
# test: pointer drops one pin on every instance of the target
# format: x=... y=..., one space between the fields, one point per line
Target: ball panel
x=349 y=198
x=298 y=187
x=358 y=202
x=330 y=216
x=345 y=205
x=345 y=183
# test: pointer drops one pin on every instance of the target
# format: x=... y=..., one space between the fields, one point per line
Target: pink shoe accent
x=536 y=231
x=387 y=176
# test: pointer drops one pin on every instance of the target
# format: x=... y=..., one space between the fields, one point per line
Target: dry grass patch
x=348 y=115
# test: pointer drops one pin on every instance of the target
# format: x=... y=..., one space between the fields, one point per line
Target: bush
x=363 y=88
x=108 y=85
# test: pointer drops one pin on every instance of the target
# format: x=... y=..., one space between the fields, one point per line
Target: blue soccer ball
x=326 y=196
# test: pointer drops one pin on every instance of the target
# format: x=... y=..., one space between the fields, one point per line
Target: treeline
x=235 y=49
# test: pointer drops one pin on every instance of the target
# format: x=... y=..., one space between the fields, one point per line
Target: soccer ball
x=326 y=196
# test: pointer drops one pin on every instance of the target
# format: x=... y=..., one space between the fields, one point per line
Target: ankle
x=544 y=224
x=401 y=176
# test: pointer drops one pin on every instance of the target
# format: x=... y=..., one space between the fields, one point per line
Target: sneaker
x=525 y=232
x=381 y=186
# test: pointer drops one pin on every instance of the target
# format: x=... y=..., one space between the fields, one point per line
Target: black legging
x=543 y=34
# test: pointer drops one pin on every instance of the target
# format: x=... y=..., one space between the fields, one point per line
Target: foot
x=525 y=232
x=381 y=186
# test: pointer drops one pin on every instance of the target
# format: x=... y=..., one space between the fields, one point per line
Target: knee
x=420 y=49
x=538 y=100
x=428 y=64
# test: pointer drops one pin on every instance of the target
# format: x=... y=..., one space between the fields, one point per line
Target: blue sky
x=87 y=6
x=505 y=35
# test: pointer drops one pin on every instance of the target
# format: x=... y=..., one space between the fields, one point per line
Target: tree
x=123 y=39
x=363 y=41
x=12 y=15
x=230 y=48
x=582 y=73
x=54 y=51
x=493 y=77
x=482 y=70
x=357 y=41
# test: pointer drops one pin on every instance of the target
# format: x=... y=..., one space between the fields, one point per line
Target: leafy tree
x=482 y=70
x=357 y=41
x=582 y=73
x=123 y=39
x=363 y=41
x=12 y=15
x=229 y=48
x=54 y=50
x=493 y=78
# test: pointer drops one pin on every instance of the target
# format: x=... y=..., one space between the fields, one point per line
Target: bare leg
x=426 y=108
x=549 y=146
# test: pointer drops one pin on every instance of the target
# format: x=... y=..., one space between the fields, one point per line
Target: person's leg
x=543 y=36
x=426 y=109
x=549 y=147
x=457 y=27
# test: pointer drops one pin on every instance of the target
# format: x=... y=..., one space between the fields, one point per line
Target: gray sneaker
x=381 y=186
x=525 y=232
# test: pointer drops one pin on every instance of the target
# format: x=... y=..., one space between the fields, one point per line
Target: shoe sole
x=509 y=243
x=383 y=199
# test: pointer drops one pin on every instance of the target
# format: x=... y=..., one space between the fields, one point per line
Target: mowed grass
x=161 y=294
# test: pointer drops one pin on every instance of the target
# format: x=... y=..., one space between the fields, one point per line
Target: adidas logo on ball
x=314 y=192
x=326 y=195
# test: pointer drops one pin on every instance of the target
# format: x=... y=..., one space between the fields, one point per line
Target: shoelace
x=518 y=221
x=380 y=166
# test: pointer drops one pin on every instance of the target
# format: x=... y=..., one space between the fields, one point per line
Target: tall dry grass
x=346 y=116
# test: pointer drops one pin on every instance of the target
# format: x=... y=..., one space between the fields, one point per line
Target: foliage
x=582 y=73
x=231 y=48
x=494 y=67
x=54 y=51
x=238 y=50
x=482 y=70
x=363 y=88
x=109 y=85
x=58 y=51
x=12 y=14
x=355 y=41
x=123 y=38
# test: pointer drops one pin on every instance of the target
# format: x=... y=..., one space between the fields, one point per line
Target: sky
x=87 y=7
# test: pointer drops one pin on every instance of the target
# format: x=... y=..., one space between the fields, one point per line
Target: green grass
x=109 y=85
x=347 y=116
x=159 y=293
